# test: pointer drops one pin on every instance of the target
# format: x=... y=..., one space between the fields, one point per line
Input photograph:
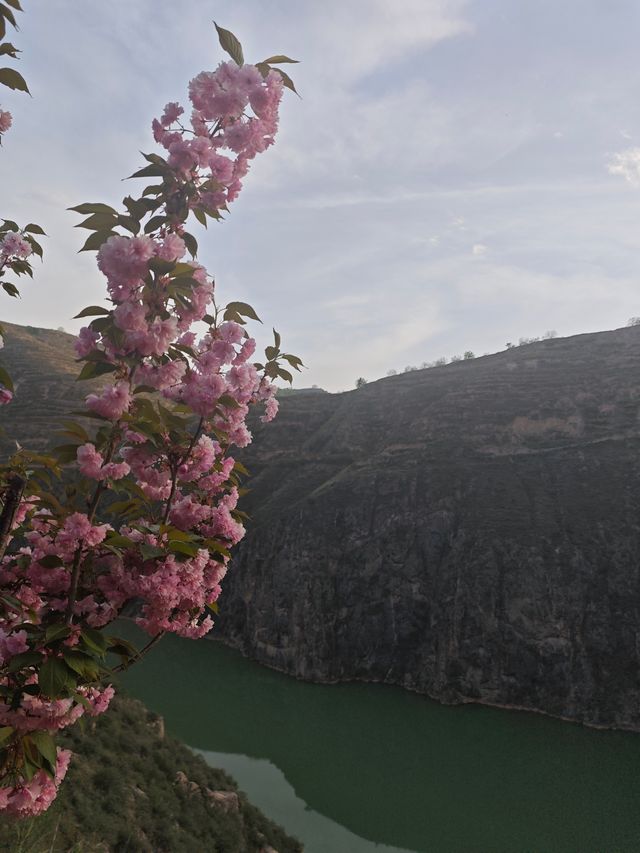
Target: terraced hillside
x=42 y=365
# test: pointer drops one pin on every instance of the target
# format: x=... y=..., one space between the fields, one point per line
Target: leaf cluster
x=9 y=76
x=230 y=44
x=17 y=266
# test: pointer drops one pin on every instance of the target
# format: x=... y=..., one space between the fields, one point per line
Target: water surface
x=359 y=768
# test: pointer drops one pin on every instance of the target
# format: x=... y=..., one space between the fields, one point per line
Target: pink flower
x=12 y=644
x=13 y=245
x=6 y=121
x=126 y=258
x=172 y=248
x=5 y=396
x=29 y=799
x=90 y=462
x=172 y=112
x=270 y=410
x=112 y=403
x=85 y=342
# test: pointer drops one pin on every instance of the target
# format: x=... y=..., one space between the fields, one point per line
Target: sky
x=455 y=174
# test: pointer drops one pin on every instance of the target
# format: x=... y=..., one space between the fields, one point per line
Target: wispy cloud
x=627 y=164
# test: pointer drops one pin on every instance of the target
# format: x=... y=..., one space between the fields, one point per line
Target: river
x=358 y=768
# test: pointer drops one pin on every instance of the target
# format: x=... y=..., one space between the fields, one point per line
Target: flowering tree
x=139 y=506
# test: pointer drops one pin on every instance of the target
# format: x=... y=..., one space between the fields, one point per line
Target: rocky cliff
x=471 y=532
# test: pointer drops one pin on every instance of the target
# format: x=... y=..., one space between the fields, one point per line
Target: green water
x=357 y=768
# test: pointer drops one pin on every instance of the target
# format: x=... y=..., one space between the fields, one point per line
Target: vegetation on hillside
x=131 y=788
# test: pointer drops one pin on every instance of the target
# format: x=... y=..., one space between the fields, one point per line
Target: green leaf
x=121 y=647
x=151 y=552
x=100 y=368
x=99 y=325
x=243 y=309
x=95 y=640
x=15 y=4
x=276 y=338
x=286 y=80
x=5 y=734
x=275 y=60
x=154 y=189
x=92 y=311
x=46 y=747
x=230 y=44
x=188 y=548
x=228 y=401
x=154 y=223
x=98 y=222
x=95 y=240
x=77 y=429
x=200 y=216
x=8 y=14
x=284 y=374
x=37 y=248
x=160 y=266
x=271 y=353
x=23 y=660
x=5 y=379
x=54 y=678
x=12 y=603
x=91 y=207
x=191 y=243
x=9 y=225
x=9 y=50
x=66 y=453
x=51 y=561
x=13 y=79
x=130 y=223
x=117 y=540
x=151 y=171
x=11 y=289
x=34 y=229
x=293 y=360
x=81 y=663
x=57 y=631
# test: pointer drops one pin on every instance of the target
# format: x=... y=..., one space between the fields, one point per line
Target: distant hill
x=470 y=531
x=43 y=368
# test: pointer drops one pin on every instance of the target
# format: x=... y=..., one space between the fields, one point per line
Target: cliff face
x=470 y=532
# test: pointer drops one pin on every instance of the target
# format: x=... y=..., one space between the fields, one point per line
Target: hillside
x=131 y=787
x=468 y=531
x=43 y=368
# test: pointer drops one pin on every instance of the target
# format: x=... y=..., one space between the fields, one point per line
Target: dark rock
x=470 y=532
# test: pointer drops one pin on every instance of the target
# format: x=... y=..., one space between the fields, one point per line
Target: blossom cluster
x=220 y=123
x=181 y=384
x=14 y=250
x=6 y=120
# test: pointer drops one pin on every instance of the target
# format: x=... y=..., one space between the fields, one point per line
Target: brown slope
x=43 y=368
x=469 y=531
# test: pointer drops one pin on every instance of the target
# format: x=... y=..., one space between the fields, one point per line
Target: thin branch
x=143 y=651
x=12 y=496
